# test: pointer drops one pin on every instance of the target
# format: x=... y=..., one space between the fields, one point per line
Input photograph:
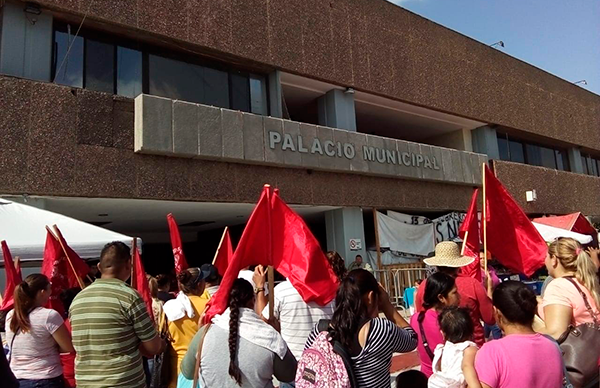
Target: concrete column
x=336 y=110
x=342 y=225
x=275 y=107
x=485 y=141
x=575 y=160
x=26 y=43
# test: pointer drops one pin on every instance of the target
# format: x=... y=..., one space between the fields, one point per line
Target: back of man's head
x=115 y=256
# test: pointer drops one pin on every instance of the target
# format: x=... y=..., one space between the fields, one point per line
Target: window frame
x=526 y=155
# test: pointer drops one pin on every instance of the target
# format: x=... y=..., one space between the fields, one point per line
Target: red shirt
x=474 y=298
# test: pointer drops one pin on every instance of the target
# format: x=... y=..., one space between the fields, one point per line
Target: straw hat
x=447 y=254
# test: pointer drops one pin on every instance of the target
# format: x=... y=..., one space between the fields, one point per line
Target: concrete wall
x=61 y=141
x=458 y=140
x=371 y=45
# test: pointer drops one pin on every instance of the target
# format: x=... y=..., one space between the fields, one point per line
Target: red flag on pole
x=140 y=281
x=469 y=232
x=275 y=235
x=224 y=253
x=56 y=268
x=78 y=269
x=13 y=277
x=511 y=237
x=180 y=262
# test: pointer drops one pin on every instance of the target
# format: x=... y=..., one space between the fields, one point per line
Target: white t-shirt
x=297 y=318
x=35 y=354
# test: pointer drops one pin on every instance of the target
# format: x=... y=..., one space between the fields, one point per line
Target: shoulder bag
x=580 y=346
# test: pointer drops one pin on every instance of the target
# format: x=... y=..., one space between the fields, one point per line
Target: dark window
x=240 y=92
x=129 y=72
x=584 y=164
x=258 y=94
x=547 y=157
x=99 y=66
x=128 y=69
x=69 y=70
x=503 y=147
x=562 y=160
x=515 y=150
x=534 y=154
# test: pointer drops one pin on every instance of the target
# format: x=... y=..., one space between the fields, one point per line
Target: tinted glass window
x=240 y=92
x=174 y=79
x=584 y=164
x=216 y=87
x=258 y=94
x=534 y=155
x=129 y=72
x=503 y=147
x=593 y=166
x=516 y=151
x=99 y=66
x=547 y=157
x=562 y=160
x=68 y=71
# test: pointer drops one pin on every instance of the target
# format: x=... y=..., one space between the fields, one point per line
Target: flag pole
x=270 y=274
x=219 y=247
x=377 y=246
x=133 y=248
x=66 y=255
x=464 y=244
x=485 y=252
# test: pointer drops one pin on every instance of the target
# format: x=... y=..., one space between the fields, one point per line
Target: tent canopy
x=575 y=222
x=23 y=228
x=551 y=233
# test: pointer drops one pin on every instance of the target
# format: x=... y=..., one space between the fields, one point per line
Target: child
x=453 y=362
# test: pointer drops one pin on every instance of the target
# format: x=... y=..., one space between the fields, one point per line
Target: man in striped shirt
x=111 y=327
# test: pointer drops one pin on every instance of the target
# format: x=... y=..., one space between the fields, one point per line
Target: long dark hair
x=189 y=280
x=241 y=294
x=24 y=295
x=437 y=284
x=337 y=264
x=350 y=309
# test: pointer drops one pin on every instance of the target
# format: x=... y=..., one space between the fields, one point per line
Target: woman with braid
x=257 y=352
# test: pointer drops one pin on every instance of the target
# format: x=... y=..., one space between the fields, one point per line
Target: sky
x=561 y=37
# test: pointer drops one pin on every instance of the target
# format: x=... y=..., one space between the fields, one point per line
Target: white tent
x=24 y=229
x=551 y=233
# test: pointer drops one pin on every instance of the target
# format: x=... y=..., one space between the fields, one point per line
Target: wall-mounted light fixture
x=531 y=196
x=349 y=91
x=498 y=43
x=583 y=82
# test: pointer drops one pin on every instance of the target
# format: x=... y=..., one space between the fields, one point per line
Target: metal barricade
x=396 y=280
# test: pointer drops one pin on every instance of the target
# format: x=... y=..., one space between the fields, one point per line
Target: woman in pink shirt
x=573 y=271
x=523 y=358
x=440 y=292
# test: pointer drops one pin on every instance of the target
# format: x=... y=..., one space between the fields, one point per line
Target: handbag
x=160 y=372
x=580 y=346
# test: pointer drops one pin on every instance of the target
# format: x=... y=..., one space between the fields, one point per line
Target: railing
x=396 y=280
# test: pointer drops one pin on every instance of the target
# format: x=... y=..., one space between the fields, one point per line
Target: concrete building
x=118 y=112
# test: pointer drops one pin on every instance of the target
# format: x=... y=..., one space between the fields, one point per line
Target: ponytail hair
x=241 y=294
x=351 y=311
x=24 y=295
x=573 y=258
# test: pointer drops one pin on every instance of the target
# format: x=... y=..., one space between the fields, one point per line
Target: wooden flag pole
x=67 y=256
x=219 y=247
x=485 y=252
x=271 y=281
x=133 y=248
x=464 y=244
x=377 y=246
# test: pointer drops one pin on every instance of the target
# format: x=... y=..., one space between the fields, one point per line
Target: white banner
x=402 y=237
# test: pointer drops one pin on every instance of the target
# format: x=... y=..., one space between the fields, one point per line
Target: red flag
x=224 y=254
x=140 y=281
x=180 y=262
x=13 y=277
x=56 y=268
x=297 y=255
x=79 y=266
x=253 y=249
x=511 y=237
x=471 y=225
x=275 y=235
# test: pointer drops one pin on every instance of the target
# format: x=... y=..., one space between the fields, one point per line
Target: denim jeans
x=287 y=385
x=494 y=330
x=57 y=382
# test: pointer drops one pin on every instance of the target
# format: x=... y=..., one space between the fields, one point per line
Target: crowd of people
x=107 y=338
